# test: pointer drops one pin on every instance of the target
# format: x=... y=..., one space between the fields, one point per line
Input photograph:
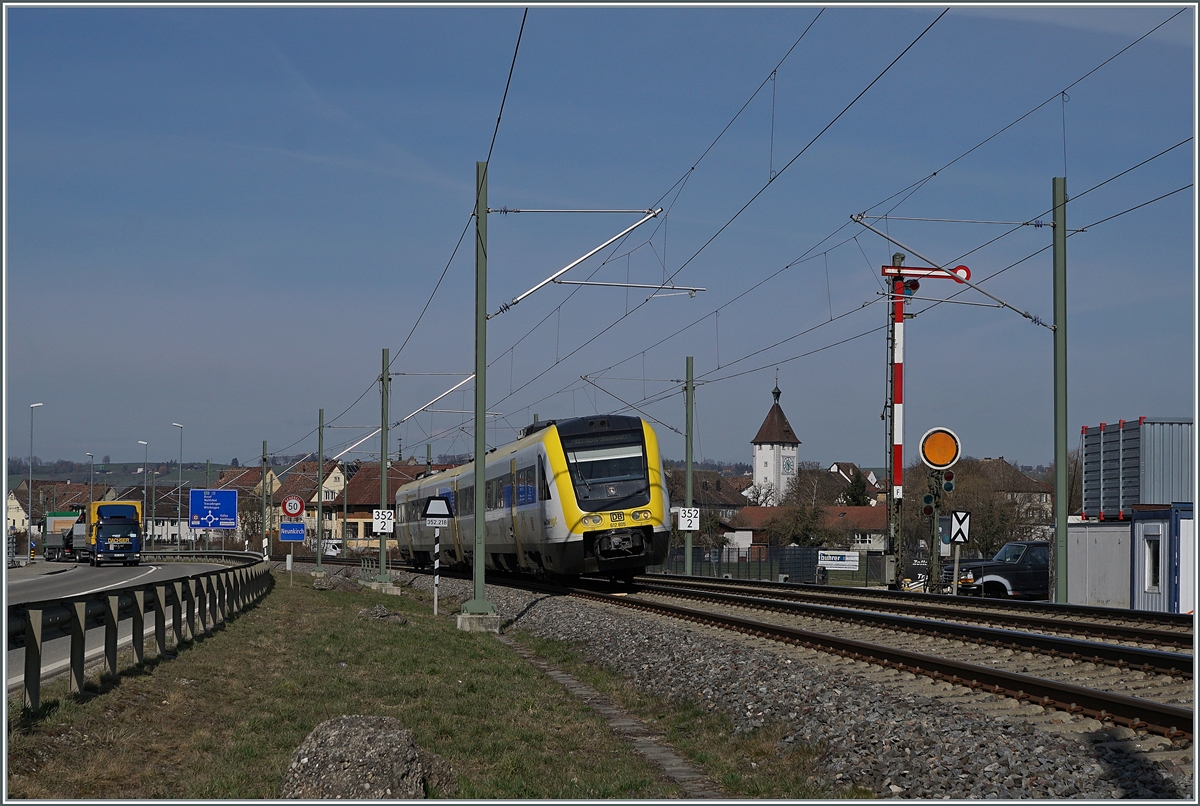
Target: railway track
x=1148 y=630
x=1130 y=686
x=1100 y=623
x=1139 y=687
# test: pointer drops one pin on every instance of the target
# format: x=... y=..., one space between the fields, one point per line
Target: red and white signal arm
x=293 y=506
x=958 y=274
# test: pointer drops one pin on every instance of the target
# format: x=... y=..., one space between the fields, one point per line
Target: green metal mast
x=688 y=391
x=1061 y=491
x=385 y=382
x=478 y=604
x=266 y=538
x=320 y=480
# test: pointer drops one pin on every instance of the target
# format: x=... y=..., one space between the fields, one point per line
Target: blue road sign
x=291 y=532
x=213 y=509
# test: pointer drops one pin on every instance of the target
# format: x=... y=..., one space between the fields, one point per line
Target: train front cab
x=608 y=475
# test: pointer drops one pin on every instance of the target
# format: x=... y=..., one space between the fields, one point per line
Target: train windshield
x=608 y=470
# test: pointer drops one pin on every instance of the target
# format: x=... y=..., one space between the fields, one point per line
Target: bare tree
x=796 y=524
x=762 y=495
x=813 y=485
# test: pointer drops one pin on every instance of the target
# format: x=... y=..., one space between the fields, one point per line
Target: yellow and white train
x=569 y=497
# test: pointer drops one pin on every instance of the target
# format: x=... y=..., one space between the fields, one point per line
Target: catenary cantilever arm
x=649 y=215
x=857 y=218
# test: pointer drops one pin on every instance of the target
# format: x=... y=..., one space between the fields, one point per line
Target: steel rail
x=975 y=603
x=1144 y=660
x=1167 y=720
x=942 y=610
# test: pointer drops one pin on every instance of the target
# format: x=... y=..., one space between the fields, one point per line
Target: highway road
x=41 y=580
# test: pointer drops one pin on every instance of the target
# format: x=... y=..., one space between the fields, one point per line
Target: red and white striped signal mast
x=905 y=281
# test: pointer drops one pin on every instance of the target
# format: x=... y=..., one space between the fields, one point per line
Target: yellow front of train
x=608 y=475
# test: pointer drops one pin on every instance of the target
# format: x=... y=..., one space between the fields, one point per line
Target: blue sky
x=221 y=216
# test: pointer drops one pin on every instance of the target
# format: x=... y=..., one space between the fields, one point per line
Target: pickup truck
x=1020 y=570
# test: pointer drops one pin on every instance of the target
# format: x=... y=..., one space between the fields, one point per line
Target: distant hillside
x=119 y=474
x=717 y=466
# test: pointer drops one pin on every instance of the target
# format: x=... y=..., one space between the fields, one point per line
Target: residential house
x=711 y=492
x=857 y=528
x=844 y=472
x=50 y=496
x=860 y=528
x=1034 y=499
x=352 y=512
x=302 y=480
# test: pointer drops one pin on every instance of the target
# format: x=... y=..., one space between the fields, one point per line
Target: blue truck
x=114 y=533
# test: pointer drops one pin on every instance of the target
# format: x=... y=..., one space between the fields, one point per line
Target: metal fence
x=199 y=604
x=775 y=563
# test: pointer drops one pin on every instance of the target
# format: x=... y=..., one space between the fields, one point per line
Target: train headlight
x=641 y=515
x=592 y=520
x=636 y=515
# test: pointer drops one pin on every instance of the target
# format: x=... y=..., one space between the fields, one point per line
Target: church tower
x=775 y=446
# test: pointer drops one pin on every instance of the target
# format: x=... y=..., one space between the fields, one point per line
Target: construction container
x=1163 y=559
x=1149 y=461
x=1098 y=557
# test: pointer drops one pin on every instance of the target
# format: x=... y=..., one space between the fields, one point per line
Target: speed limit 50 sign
x=293 y=506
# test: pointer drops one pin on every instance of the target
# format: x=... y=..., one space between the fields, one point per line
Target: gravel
x=889 y=738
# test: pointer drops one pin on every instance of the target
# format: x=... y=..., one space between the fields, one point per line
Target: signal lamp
x=910 y=286
x=927 y=510
x=948 y=475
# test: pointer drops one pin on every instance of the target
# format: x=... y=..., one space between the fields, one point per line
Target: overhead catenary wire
x=678 y=186
x=458 y=244
x=914 y=186
x=752 y=199
x=704 y=378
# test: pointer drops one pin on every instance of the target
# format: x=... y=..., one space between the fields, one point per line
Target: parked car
x=1020 y=570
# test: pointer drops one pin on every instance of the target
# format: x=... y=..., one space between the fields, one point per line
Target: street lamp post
x=91 y=474
x=145 y=484
x=29 y=528
x=179 y=500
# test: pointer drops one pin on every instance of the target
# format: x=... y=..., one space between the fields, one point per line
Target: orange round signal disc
x=940 y=448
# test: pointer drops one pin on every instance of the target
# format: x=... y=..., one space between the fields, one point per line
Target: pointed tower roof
x=775 y=430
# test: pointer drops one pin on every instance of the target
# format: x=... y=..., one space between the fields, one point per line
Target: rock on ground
x=336 y=582
x=364 y=758
x=380 y=613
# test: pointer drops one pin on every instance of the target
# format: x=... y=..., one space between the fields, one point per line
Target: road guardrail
x=199 y=604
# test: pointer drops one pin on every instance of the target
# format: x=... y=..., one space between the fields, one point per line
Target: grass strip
x=223 y=718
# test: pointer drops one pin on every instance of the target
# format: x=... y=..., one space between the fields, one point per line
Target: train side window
x=543 y=481
x=505 y=492
x=466 y=501
x=526 y=476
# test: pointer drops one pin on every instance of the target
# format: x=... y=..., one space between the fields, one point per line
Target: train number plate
x=617 y=517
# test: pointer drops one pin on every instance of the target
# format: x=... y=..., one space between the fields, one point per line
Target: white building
x=775 y=447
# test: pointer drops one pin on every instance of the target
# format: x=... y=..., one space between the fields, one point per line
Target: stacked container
x=1149 y=461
